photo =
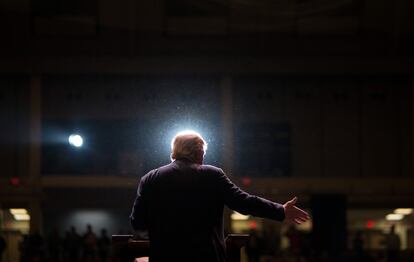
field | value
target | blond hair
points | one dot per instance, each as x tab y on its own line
187	144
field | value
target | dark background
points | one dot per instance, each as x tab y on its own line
309	97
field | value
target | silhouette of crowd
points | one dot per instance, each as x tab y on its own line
72	247
89	247
261	248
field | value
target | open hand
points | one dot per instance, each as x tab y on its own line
293	214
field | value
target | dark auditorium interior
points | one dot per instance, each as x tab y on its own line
306	98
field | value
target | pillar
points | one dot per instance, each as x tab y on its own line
227	151
35	147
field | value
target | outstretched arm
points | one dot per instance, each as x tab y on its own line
244	203
247	204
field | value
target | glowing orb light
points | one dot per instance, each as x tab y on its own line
75	140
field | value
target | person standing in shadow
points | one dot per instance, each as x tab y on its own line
358	244
181	205
104	245
54	245
3	246
90	245
392	244
72	245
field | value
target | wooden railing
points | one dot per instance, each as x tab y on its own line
126	249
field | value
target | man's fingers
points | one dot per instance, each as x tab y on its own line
302	212
301	219
297	213
300	216
297	221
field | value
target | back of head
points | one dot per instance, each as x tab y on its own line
188	145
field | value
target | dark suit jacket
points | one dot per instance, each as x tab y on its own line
181	206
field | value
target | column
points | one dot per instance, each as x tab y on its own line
227	124
227	151
412	128
35	124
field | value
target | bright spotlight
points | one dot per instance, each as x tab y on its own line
75	140
188	132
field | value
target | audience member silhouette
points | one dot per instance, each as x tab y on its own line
358	244
392	244
72	245
104	245
90	245
32	248
3	246
54	244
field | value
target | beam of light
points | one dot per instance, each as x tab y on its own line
394	217
403	211
75	140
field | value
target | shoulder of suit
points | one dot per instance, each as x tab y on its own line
157	170
212	169
149	174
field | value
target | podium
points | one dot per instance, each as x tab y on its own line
126	249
